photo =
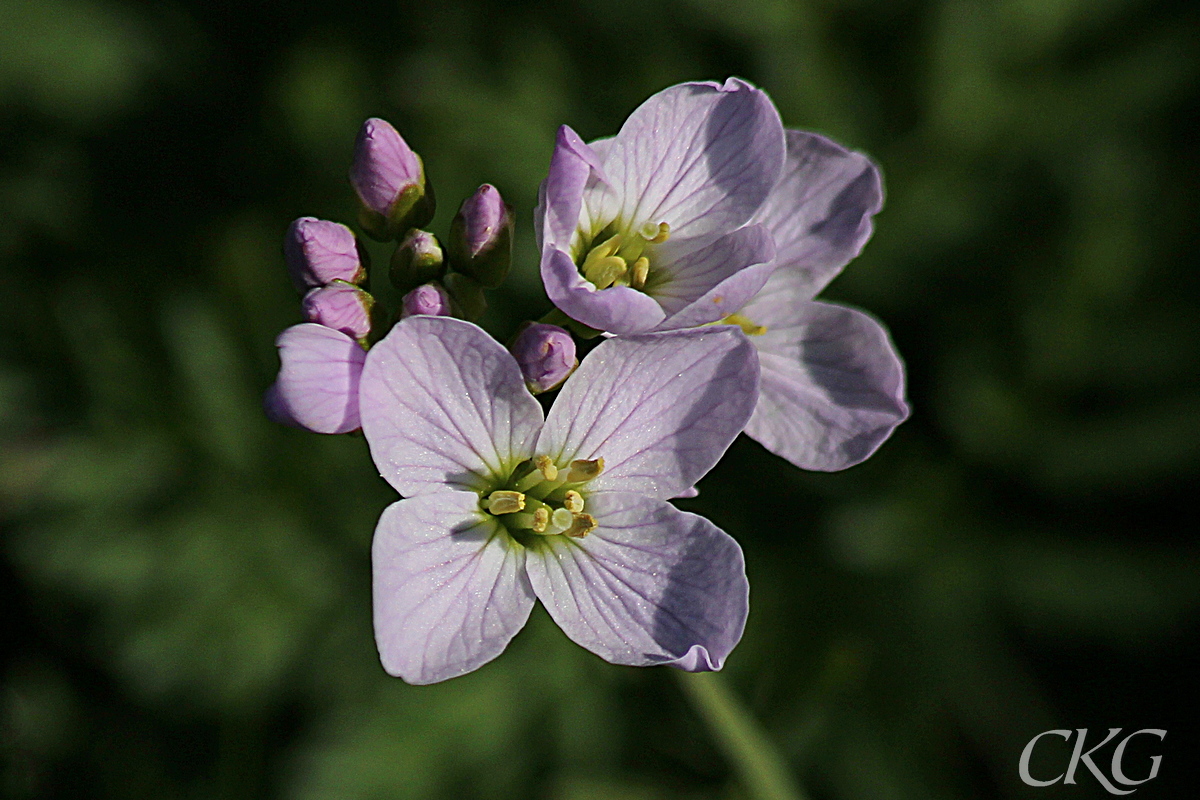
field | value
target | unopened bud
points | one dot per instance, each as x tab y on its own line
390	180
430	299
546	354
341	306
481	237
320	252
417	260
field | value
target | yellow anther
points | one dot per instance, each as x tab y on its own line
639	272
581	470
657	235
573	501
748	327
545	465
541	518
604	272
581	526
504	501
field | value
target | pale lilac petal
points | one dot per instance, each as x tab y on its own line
651	585
715	281
820	211
276	409
573	168
449	587
617	309
660	409
444	403
318	381
698	156
601	146
832	383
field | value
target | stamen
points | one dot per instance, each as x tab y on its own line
573	501
581	526
522	519
604	272
503	501
546	466
602	266
639	273
541	518
581	470
609	246
547	488
747	326
529	481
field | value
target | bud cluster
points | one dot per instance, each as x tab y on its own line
329	265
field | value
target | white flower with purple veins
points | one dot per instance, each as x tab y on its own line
504	507
832	383
648	230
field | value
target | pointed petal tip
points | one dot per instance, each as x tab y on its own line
697	659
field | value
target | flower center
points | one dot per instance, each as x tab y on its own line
541	499
620	258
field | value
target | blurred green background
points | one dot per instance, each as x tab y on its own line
188	586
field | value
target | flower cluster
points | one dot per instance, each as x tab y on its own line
695	240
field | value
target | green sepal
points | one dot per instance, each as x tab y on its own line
413	208
467	294
409	269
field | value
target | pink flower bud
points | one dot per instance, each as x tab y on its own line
546	355
341	306
320	252
430	299
481	237
417	260
390	180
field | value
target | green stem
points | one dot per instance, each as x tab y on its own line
739	736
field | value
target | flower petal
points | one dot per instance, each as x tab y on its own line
832	383
698	156
618	309
651	585
660	409
449	587
715	281
573	168
317	387
444	403
820	211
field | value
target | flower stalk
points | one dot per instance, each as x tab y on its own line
759	766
